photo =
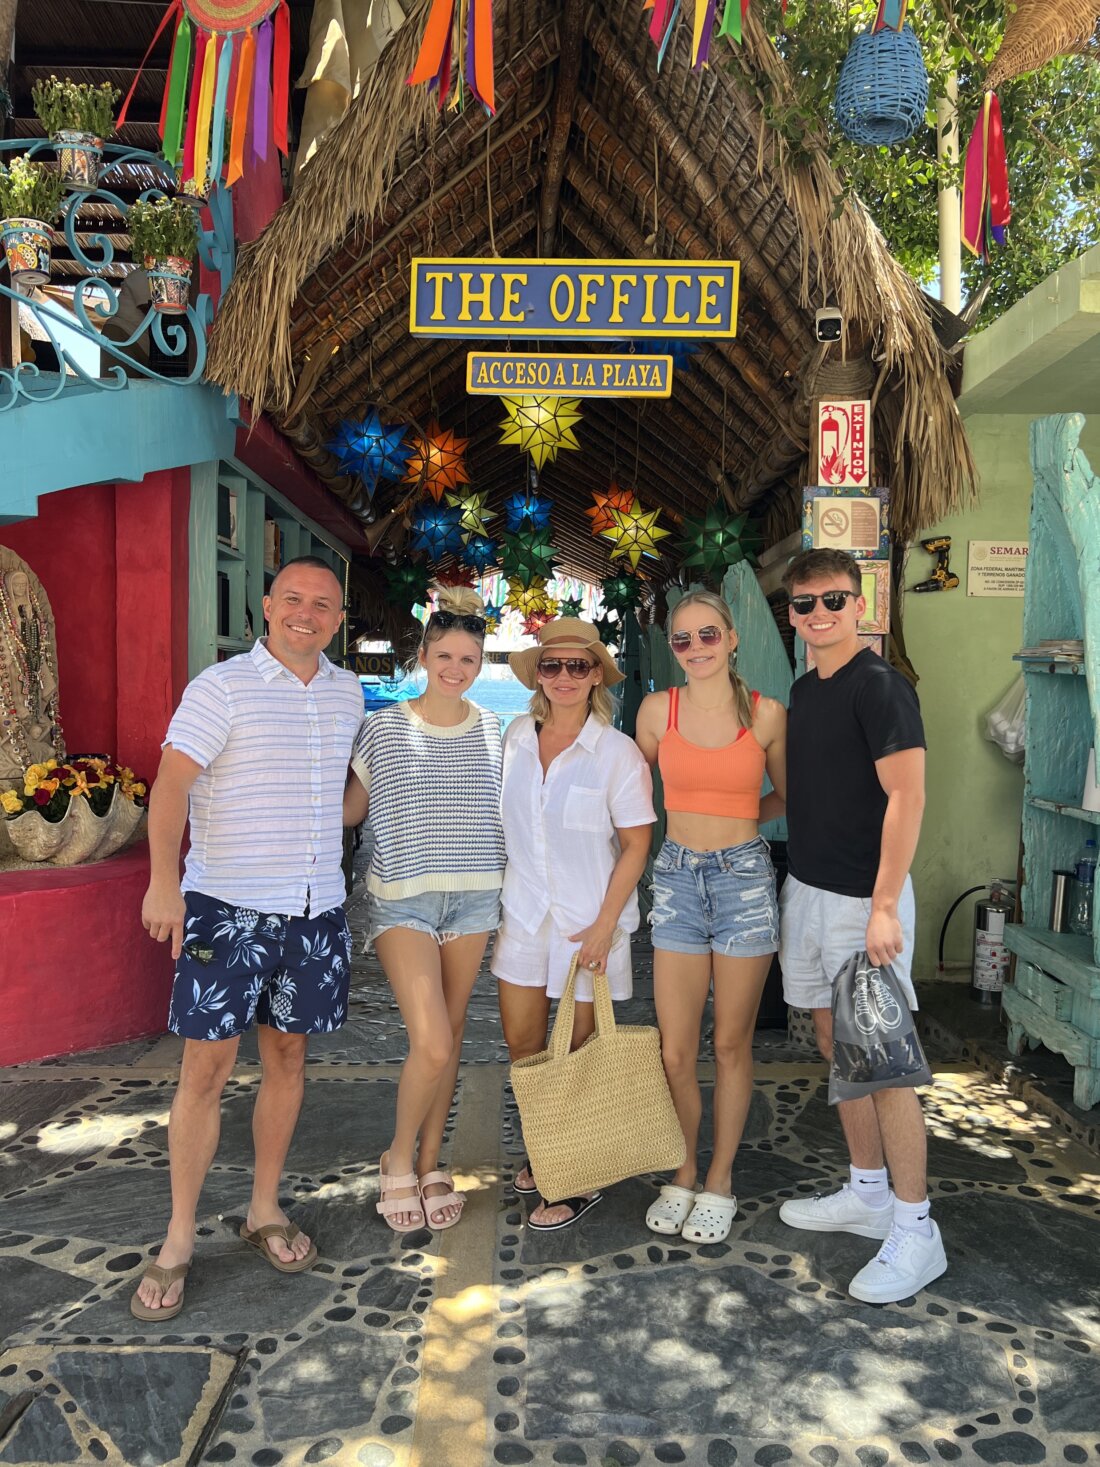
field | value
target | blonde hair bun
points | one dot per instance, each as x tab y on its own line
458	600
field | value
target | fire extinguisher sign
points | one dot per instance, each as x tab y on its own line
843	444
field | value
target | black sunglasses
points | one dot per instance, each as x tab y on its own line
803	604
708	637
448	619
578	667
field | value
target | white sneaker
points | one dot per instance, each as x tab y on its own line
839	1212
905	1264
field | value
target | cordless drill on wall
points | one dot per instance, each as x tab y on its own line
942	577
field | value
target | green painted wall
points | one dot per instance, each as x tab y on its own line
961	647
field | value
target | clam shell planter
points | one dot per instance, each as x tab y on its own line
80	837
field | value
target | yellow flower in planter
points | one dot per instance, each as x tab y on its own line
11	802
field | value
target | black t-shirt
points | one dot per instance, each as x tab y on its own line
837	727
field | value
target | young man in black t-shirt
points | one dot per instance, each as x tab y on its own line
855	797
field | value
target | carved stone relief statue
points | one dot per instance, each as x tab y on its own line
30	726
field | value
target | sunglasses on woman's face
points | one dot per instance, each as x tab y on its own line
708	637
448	619
578	667
802	605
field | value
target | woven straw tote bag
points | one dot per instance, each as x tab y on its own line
601	1113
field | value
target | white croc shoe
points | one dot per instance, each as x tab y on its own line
906	1263
839	1212
669	1213
711	1218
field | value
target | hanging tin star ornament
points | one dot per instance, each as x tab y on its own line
540	426
714	541
527	599
621	593
492	616
528	556
635	532
536	621
436	531
456	575
525	511
480	552
408	583
571	606
474	510
371	450
437	460
610	632
615	498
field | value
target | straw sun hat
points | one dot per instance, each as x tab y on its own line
562	637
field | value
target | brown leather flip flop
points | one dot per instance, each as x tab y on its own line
288	1232
164	1278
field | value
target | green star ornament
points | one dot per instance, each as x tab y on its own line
528	556
714	541
620	593
571	606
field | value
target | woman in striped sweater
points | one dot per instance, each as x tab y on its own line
429	769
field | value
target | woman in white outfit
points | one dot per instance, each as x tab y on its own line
577	805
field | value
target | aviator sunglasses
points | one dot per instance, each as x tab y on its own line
578	667
708	637
448	619
802	605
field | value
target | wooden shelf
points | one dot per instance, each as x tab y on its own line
1091	817
227	552
1057	952
235	644
1036	664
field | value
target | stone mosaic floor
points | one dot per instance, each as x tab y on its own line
598	1345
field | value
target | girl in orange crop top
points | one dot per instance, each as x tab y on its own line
714	914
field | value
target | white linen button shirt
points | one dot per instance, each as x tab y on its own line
560	832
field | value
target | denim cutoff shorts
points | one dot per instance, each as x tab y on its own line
715	901
443	915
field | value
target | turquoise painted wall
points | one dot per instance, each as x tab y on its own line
961	647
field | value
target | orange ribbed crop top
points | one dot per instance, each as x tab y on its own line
698	781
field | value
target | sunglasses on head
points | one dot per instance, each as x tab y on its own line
448	619
708	637
578	667
803	604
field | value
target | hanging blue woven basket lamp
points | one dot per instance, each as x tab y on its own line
882	95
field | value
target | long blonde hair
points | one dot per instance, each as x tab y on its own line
742	697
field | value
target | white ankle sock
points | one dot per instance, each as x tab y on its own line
915	1216
871	1187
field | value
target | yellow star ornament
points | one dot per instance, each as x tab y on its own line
540	425
475	512
529	600
635	532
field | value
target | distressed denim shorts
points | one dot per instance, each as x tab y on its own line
715	901
443	915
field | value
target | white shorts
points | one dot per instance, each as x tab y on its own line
819	931
541	960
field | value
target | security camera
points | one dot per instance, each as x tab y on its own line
828	324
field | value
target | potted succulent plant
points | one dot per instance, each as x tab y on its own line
30	201
164	234
77	116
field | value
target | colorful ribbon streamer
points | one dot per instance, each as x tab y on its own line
221	106
245	68
261	92
479	54
205	110
175	93
700	39
280	79
172	10
891	15
986	207
443	43
201	39
733	19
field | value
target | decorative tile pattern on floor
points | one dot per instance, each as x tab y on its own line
604	1343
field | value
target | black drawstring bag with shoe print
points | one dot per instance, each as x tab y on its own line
875	1045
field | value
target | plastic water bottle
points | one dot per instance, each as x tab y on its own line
1080	902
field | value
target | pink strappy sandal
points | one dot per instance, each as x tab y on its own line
446	1199
391	1207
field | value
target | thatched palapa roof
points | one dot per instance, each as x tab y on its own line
593	153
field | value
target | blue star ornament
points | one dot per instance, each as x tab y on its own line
436	530
525	511
479	552
372	450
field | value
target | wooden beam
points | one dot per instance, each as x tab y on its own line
557	146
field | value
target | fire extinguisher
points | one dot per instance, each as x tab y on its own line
990	959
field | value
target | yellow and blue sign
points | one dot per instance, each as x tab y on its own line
506	374
580	299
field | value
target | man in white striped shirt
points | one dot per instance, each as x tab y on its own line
257	752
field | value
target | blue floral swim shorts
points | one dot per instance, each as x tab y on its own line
239	965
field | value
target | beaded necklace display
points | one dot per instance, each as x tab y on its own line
31	646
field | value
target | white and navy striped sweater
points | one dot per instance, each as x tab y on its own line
434	802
